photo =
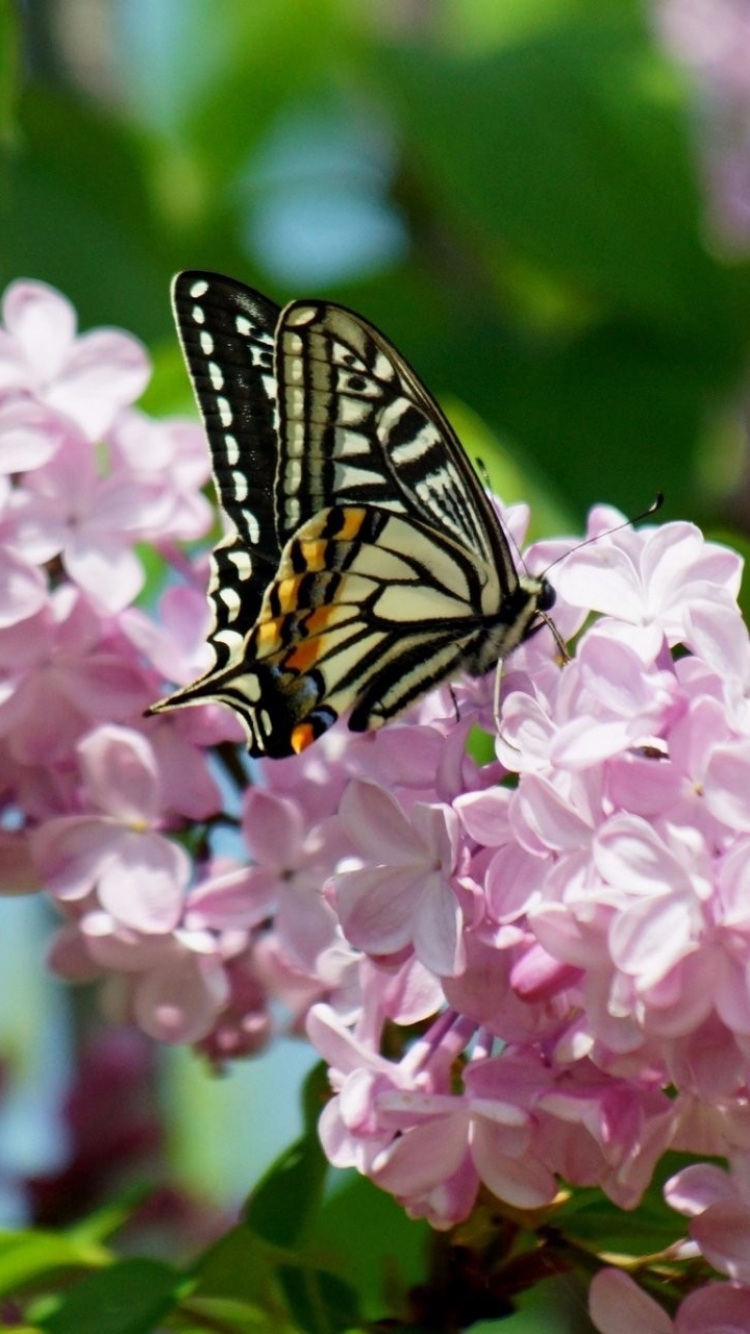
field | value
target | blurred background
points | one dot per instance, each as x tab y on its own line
545	204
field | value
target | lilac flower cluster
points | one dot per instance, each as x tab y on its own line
524	957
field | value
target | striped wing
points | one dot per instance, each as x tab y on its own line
227	333
367	611
358	426
367	564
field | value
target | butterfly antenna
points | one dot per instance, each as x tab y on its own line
655	505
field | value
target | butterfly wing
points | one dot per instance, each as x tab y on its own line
358	426
367	611
366	553
227	332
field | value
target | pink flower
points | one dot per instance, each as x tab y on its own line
139	875
59	678
168	458
548	933
618	1306
408	895
90	521
88	379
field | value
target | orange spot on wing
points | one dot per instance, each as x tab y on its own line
314	554
351	525
304	656
286	593
319	620
266	635
302	736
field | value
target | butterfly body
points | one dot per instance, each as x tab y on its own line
367	563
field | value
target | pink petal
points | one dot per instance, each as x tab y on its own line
715	1309
71	851
523	1181
484	815
653	934
423	1157
378	826
29	435
618	1306
630	855
602	578
120	771
43	323
437	937
180	1001
105	371
240	898
273	828
695	1187
540	811
144	886
723	1233
105	687
184	769
23	590
105	568
727	784
513	882
375	907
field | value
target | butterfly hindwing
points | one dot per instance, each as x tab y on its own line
367	611
367	564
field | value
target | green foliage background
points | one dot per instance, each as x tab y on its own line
557	273
553	278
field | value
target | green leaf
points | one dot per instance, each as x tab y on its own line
228	1314
10	72
558	1306
319	1301
288	1196
238	1267
365	1236
30	1256
102	1222
131	1297
584	161
77	214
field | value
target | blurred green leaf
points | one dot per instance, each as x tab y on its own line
77	214
30	1256
226	1314
285	1201
127	1298
320	1302
282	54
582	161
10	72
238	1267
363	1234
559	1306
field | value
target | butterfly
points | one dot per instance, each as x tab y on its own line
365	563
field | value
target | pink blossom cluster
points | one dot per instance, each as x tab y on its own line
524	957
711	38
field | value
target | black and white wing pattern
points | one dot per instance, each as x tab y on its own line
367	562
227	334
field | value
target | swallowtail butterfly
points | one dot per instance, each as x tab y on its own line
365	564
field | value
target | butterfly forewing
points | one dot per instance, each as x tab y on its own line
368	564
227	335
358	425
